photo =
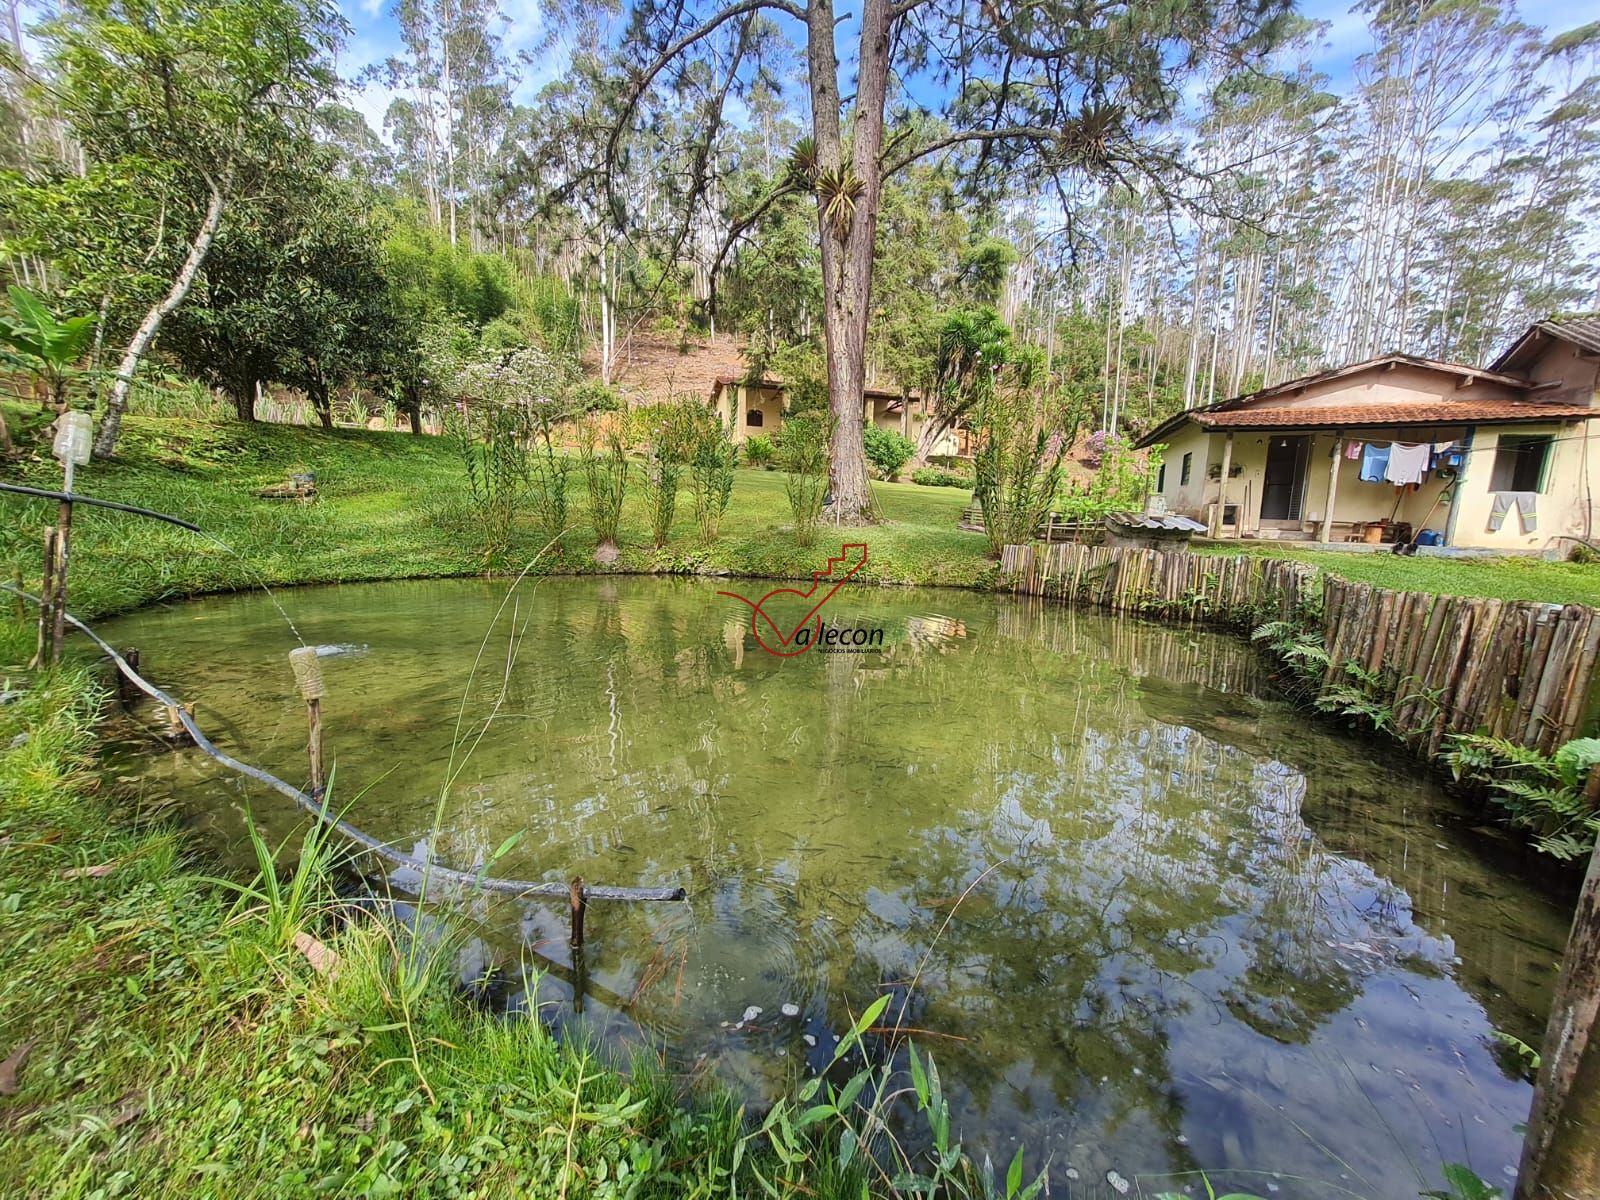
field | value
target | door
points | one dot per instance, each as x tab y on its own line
1285	482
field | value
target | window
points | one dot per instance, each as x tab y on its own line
753	418
1161	478
1188	466
1519	463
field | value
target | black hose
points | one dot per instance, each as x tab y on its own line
79	498
318	809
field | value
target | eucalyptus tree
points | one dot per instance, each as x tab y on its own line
212	90
1037	93
453	82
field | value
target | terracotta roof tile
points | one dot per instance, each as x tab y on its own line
1351	416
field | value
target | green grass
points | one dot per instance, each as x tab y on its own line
393	506
1507	578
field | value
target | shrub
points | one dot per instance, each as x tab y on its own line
592	396
606	474
804	458
760	451
886	450
672	432
934	477
712	459
1094	450
1018	469
490	440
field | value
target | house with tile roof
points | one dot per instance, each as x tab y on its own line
751	407
1400	448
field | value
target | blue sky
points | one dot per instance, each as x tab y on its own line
1347	38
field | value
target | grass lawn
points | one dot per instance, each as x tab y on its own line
393	506
1508	578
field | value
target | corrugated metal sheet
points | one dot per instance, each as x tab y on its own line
1171	523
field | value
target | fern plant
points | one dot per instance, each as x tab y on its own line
1544	794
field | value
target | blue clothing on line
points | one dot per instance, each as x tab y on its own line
1374	462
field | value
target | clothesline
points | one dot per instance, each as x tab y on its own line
1403	464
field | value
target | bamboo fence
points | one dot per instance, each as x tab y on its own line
1520	670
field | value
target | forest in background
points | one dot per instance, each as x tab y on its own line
1435	205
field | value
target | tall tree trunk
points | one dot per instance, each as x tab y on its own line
847	246
117	403
933	428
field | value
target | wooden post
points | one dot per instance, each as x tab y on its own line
579	904
1222	489
1326	533
58	631
1561	1151
47	596
308	678
127	694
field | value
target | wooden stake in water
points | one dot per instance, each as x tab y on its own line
1561	1152
308	678
579	904
580	966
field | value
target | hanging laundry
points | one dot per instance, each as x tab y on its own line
1524	502
1353	450
1408	462
1374	461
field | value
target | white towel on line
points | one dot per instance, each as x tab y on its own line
1407	463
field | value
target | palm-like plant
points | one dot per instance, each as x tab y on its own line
32	338
973	344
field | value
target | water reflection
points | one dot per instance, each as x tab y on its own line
1157	920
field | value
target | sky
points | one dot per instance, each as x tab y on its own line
375	39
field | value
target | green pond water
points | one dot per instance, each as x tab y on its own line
1202	931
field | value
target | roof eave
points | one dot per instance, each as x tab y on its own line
1422	423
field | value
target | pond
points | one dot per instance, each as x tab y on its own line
1159	919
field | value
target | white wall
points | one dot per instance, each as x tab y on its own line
1188	500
